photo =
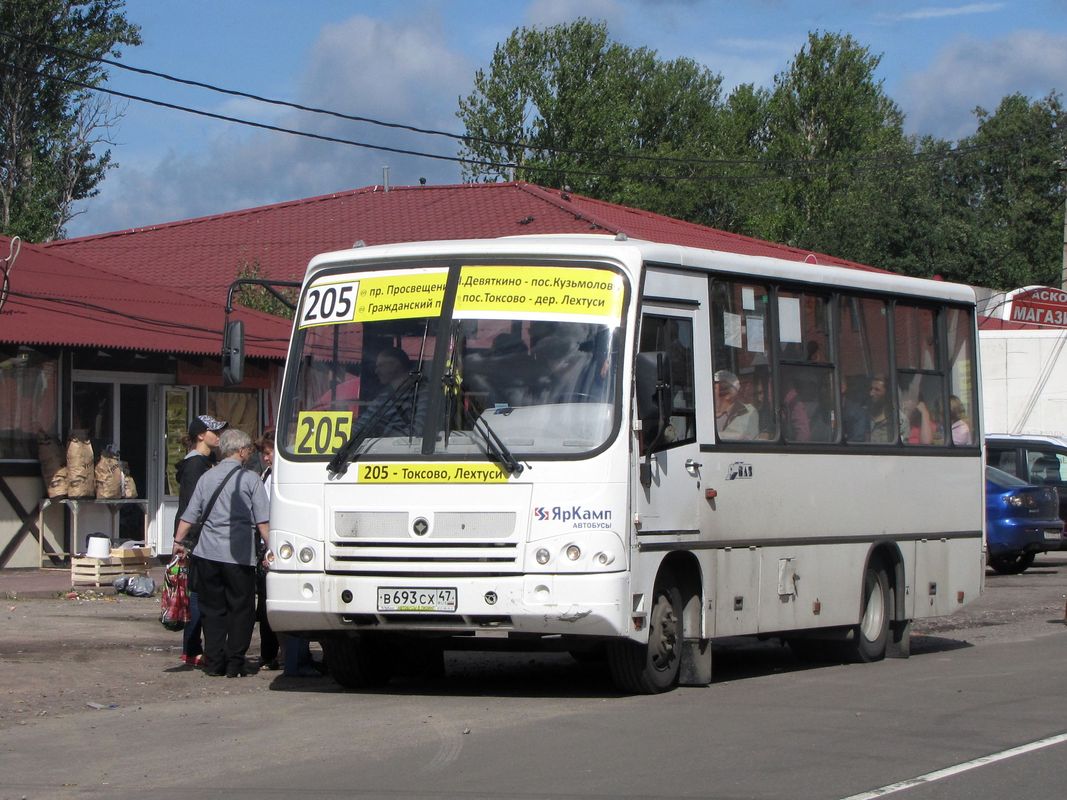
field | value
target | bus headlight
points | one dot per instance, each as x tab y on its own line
573	552
306	554
285	552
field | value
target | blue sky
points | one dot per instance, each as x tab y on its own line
410	61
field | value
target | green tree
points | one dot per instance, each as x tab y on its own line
51	127
260	298
1009	196
568	107
831	130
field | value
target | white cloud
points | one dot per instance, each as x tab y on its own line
393	72
971	72
940	12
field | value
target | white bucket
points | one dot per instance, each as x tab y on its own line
98	546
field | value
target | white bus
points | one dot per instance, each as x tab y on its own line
621	449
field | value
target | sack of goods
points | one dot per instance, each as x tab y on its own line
108	476
81	472
53	464
129	487
57	484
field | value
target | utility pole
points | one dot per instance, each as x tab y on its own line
1063	272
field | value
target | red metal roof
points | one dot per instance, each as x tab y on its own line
55	300
280	239
162	288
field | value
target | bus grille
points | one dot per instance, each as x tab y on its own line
452	543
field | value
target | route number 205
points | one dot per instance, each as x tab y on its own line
322	432
330	304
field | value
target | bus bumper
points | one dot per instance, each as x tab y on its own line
583	605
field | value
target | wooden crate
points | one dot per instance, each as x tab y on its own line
85	571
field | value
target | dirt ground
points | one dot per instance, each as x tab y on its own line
89	655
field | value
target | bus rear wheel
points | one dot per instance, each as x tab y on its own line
870	637
653	667
357	663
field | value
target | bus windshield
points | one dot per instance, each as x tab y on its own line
490	375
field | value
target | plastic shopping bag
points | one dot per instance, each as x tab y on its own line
174	602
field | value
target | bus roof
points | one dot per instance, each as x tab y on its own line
654	254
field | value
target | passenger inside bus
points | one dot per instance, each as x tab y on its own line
880	411
393	413
960	428
503	374
805	415
734	419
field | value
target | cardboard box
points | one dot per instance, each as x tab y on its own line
131	554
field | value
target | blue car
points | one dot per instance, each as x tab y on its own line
1022	520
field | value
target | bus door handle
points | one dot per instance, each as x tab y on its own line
692	467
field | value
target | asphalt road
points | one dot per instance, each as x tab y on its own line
93	704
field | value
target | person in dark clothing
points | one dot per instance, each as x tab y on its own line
203	443
224	557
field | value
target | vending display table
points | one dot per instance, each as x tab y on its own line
75	506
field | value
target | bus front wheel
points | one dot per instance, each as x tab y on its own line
653	667
356	663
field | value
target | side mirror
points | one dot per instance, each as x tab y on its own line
233	353
648	374
654	402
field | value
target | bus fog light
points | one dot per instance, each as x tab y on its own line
306	554
603	559
308	591
285	552
574	552
542	556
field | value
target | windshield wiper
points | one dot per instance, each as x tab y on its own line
496	448
494	445
339	463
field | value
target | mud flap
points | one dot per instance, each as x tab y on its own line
695	669
898	645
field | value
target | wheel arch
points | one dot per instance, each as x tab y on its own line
688	574
887	554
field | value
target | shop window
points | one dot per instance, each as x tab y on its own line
29	400
238	407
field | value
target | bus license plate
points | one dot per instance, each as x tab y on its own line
398	598
1054	535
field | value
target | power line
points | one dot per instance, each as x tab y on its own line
537	168
136	322
857	161
368	145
